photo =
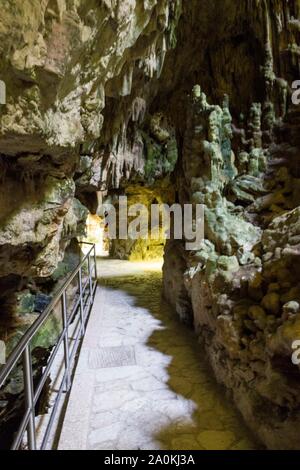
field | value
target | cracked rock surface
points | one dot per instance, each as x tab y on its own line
186	101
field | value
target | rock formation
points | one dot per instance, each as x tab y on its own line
163	100
241	160
77	75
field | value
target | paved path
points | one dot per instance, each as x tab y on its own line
141	381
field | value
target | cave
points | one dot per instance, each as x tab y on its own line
150	225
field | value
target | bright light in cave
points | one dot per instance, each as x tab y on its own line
95	234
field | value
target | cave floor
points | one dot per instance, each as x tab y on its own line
142	381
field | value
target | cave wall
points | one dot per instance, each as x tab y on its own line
126	96
62	62
77	74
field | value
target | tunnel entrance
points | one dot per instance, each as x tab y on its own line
95	233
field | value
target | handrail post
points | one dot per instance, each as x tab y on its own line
81	301
29	397
66	340
90	279
95	261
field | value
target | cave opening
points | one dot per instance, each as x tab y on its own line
182	104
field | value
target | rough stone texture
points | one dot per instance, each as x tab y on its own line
154	393
241	289
75	73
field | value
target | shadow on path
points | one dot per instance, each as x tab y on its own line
216	425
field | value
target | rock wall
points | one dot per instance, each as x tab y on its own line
139	200
76	74
240	158
104	95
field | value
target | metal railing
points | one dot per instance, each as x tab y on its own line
75	319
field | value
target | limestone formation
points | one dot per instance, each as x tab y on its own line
164	101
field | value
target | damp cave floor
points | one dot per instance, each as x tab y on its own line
142	381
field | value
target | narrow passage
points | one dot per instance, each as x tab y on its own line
142	381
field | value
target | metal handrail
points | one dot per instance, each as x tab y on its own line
23	350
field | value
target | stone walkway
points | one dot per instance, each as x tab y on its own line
142	381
